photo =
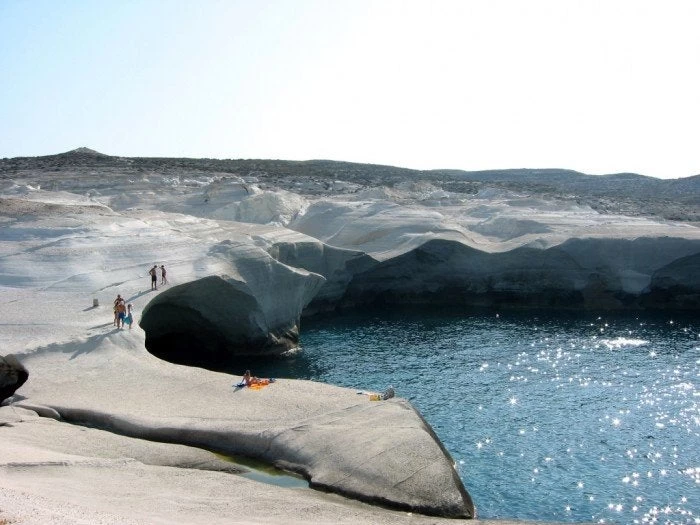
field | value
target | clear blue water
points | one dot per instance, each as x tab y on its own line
549	417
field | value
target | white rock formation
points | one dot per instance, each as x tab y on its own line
247	254
277	208
325	433
252	308
62	252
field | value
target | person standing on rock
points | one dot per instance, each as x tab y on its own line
154	277
163	279
121	314
129	319
116	315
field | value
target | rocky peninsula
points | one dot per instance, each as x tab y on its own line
105	431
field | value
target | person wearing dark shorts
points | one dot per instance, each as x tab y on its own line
154	277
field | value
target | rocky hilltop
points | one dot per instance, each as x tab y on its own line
620	193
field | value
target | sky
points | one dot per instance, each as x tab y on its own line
595	86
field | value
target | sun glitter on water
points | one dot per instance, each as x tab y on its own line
597	428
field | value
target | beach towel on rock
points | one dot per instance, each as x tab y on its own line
257	385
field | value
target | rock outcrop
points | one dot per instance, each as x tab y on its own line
676	285
381	452
12	376
336	265
255	311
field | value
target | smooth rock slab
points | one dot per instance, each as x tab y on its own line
379	452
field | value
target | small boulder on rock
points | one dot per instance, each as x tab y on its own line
12	376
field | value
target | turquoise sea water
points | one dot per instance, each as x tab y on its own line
581	417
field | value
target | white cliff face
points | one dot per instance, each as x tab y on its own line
501	249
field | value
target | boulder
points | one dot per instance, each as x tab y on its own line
12	376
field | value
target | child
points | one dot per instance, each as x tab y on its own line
129	319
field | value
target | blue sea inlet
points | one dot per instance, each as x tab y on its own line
582	417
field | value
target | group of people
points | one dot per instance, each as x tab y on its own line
122	313
153	272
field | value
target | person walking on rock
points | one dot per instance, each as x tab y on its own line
154	277
163	279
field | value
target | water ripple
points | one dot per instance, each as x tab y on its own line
560	418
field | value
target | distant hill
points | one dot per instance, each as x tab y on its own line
625	193
618	184
85	151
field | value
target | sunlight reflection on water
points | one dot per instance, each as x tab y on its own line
589	418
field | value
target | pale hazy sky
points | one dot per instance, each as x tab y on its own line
596	86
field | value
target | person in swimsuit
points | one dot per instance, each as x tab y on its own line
249	380
121	314
116	316
129	319
154	278
163	279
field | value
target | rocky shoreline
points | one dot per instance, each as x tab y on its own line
101	405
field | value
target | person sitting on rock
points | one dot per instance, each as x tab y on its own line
388	393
